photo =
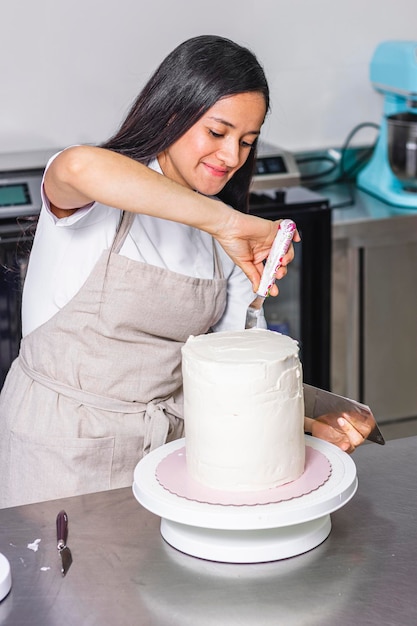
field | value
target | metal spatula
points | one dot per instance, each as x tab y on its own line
279	248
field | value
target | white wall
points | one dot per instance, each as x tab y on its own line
69	70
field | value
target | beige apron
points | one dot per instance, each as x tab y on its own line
99	385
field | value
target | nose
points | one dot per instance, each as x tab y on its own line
229	153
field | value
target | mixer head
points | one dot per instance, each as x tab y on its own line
394	69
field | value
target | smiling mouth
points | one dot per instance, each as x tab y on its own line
217	171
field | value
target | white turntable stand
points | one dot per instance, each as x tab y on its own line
5	577
246	533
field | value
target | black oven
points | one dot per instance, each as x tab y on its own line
19	206
15	241
302	308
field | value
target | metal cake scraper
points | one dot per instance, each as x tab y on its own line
318	402
279	248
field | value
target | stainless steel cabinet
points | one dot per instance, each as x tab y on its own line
374	307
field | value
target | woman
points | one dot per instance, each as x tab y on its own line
127	262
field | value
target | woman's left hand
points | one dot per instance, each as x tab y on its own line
346	430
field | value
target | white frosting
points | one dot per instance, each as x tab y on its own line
243	410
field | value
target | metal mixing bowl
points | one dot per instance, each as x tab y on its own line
402	148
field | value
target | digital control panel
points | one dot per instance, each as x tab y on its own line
275	169
20	194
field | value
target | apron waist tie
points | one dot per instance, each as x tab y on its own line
157	424
103	403
158	416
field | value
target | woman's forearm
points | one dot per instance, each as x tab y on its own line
83	174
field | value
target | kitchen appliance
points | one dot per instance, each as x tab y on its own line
20	203
20	194
244	533
391	173
302	307
274	168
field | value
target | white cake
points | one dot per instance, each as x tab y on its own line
243	410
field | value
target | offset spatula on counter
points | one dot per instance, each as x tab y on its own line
279	248
62	536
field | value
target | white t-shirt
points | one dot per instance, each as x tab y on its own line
65	251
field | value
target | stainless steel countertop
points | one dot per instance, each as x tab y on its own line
124	573
368	220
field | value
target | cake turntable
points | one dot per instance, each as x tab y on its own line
247	533
5	577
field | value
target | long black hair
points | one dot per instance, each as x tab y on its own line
191	79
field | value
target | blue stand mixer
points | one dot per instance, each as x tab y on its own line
391	174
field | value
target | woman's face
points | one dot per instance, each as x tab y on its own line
210	152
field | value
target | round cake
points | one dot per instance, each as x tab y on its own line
243	410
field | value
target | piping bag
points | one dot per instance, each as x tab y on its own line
280	246
317	402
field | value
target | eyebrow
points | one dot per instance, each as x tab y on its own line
230	125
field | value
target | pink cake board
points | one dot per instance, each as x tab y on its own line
171	473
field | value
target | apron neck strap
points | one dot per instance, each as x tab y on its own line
126	220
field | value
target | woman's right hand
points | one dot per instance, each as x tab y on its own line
247	239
